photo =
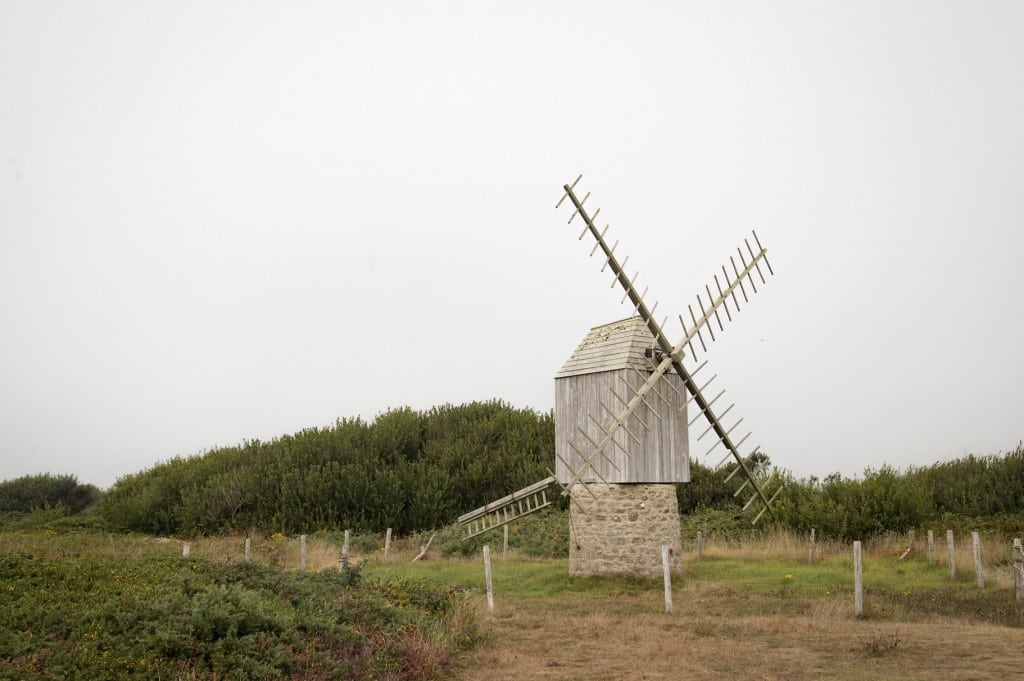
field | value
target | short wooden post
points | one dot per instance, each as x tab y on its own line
858	581
248	549
344	549
504	545
931	548
911	538
952	554
810	552
666	568
979	572
387	545
487	577
302	552
1018	569
186	549
700	544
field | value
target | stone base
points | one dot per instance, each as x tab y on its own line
622	532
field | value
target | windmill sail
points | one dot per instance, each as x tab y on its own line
672	355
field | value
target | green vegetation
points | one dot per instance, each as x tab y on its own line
968	493
90	605
32	492
77	602
407	470
416	471
980	492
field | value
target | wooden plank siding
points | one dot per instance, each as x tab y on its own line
609	357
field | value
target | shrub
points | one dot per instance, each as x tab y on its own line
97	615
34	492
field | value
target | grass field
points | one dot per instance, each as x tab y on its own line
755	610
746	609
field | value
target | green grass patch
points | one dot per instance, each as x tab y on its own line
519	579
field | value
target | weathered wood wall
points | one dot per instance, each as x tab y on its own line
660	456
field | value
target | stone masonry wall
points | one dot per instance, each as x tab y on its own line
622	532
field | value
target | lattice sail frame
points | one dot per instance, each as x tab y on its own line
668	356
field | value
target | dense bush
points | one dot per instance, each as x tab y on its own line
33	492
886	500
978	486
707	489
882	501
407	470
71	615
416	471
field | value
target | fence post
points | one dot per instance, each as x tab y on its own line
952	554
700	544
248	549
302	552
858	581
487	577
504	545
666	568
186	549
976	549
1018	569
810	552
931	548
387	544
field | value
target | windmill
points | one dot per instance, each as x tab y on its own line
621	421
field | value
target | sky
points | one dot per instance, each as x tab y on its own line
231	221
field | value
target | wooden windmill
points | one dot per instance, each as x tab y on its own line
621	403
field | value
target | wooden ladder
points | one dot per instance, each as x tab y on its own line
508	508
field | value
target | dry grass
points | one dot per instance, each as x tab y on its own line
284	552
570	639
752	627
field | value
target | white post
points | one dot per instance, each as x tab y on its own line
810	553
344	549
248	549
952	554
387	545
186	549
700	545
666	568
302	552
931	548
1018	569
504	546
487	577
979	572
858	581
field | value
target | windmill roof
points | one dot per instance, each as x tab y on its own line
608	347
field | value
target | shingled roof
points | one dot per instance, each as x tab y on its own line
609	347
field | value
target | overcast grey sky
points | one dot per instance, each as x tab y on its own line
226	221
